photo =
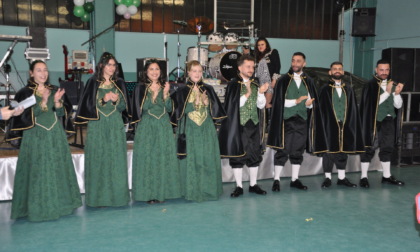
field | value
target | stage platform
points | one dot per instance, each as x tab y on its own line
311	165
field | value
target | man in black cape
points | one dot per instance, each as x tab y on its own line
381	114
296	121
343	125
241	134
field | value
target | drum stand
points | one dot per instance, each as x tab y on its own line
178	68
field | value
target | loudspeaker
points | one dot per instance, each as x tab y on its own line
142	62
71	90
364	22
39	39
402	66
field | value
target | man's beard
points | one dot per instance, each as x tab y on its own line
337	77
298	69
383	76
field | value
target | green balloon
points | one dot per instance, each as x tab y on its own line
127	2
85	17
118	2
78	11
136	3
88	7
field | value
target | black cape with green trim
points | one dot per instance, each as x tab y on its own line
26	120
368	113
87	104
352	133
316	141
229	133
181	95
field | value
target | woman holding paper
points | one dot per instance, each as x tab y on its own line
45	186
104	107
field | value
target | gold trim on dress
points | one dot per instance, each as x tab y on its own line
52	126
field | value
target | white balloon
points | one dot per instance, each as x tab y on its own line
79	2
121	9
132	9
127	15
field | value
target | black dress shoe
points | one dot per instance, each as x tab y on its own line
326	183
237	192
276	186
392	180
298	184
257	189
364	182
346	182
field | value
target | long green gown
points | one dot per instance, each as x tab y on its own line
155	165
201	171
45	186
106	174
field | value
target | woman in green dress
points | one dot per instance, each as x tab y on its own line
103	106
45	186
197	110
155	165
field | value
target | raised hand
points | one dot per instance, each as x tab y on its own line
389	87
114	96
205	98
399	88
59	94
45	96
263	88
166	90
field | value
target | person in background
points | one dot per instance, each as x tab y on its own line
268	70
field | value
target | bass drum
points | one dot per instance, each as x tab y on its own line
192	54
224	66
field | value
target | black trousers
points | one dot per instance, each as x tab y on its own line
295	134
329	159
385	141
250	136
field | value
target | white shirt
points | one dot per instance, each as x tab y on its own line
260	99
337	86
397	98
288	103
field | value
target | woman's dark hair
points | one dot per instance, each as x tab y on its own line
103	61
259	55
32	67
146	67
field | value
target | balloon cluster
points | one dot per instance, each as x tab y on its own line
127	8
82	9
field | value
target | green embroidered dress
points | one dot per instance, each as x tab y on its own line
106	175
155	165
201	172
45	186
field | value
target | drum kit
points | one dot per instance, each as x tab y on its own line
223	63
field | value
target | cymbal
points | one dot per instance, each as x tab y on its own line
180	22
243	23
243	39
200	24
